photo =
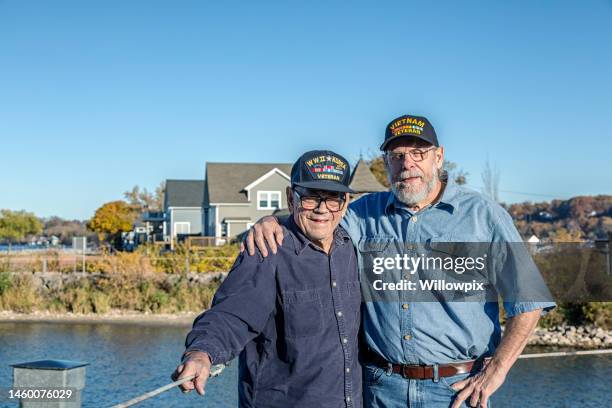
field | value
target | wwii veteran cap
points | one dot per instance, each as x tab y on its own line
322	170
410	126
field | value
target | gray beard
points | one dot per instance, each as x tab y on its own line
410	197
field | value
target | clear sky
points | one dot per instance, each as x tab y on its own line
97	96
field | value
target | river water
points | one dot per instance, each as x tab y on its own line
128	360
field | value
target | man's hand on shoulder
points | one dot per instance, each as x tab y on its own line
194	363
265	231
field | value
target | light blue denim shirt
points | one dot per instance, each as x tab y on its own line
433	332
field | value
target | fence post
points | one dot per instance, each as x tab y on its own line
609	253
187	264
44	265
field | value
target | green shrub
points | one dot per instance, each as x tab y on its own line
6	282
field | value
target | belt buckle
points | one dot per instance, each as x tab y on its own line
405	371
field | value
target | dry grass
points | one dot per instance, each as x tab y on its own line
114	291
147	259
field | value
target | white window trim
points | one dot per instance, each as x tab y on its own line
182	223
269	194
275	170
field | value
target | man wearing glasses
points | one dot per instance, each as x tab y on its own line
429	353
294	316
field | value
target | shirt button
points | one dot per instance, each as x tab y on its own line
414	218
348	399
334	284
339	314
348	370
407	337
345	340
405	306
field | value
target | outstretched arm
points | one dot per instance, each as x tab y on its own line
241	308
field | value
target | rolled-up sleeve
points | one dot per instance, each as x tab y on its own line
242	306
518	279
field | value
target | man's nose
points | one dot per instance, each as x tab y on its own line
408	163
322	207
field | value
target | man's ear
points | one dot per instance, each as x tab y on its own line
289	193
440	157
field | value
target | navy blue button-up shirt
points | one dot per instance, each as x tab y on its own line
294	318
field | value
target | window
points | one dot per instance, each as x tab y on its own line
181	228
268	200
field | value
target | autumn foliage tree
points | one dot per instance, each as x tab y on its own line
111	220
15	226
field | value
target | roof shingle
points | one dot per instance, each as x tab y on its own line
226	181
184	193
363	180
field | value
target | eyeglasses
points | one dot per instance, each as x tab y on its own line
309	201
416	155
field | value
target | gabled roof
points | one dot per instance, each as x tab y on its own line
227	181
184	193
363	180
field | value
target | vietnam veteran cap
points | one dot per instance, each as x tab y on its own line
322	170
410	126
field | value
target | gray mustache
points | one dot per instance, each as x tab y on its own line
409	173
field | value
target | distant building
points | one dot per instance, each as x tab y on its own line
533	240
183	200
151	224
236	195
363	180
544	216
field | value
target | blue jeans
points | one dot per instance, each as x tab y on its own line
388	390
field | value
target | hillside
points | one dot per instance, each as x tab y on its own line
584	217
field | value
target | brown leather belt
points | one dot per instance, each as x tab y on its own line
425	372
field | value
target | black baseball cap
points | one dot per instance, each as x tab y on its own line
322	170
410	126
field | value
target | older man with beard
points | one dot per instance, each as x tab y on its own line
440	353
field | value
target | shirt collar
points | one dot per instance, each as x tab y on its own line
449	200
301	241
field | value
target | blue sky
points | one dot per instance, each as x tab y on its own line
98	96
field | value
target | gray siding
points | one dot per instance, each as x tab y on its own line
237	228
275	182
193	216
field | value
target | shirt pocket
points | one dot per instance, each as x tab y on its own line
373	251
464	265
303	311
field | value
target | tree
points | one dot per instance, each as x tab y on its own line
65	230
160	193
111	220
145	200
15	226
454	172
490	180
378	168
563	235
